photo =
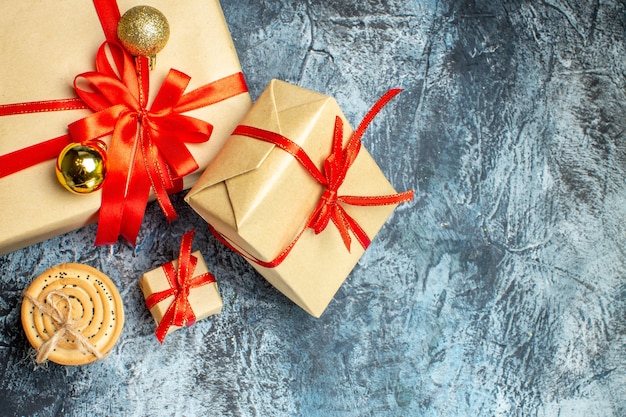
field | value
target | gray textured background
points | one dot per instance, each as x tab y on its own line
499	291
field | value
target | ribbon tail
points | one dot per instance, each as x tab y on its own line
340	219
185	267
175	153
121	156
183	315
159	175
166	322
137	195
109	15
214	92
378	106
353	225
359	233
131	188
383	200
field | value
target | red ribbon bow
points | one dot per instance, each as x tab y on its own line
147	149
181	280
336	166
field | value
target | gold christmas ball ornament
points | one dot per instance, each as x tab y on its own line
143	31
81	168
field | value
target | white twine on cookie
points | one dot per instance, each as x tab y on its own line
64	323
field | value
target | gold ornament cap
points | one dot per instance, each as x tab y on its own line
143	31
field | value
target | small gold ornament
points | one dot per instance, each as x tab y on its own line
81	168
143	31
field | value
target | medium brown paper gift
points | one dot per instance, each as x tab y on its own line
43	46
258	197
205	300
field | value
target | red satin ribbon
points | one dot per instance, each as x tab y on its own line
147	149
336	166
41	106
32	155
109	14
181	281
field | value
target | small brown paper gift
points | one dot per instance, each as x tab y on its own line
259	199
180	292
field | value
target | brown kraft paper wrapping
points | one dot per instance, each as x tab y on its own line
259	197
44	45
205	300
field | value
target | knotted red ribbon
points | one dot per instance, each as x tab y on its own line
147	150
336	166
181	281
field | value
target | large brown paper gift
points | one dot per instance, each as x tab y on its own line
43	46
258	198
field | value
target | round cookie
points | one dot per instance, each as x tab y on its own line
94	306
